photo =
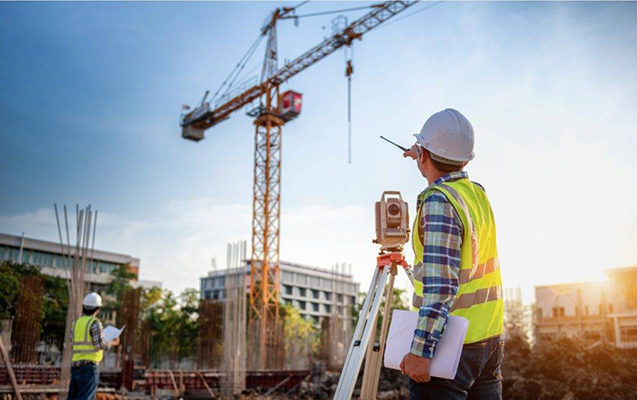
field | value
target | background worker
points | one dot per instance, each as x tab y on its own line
456	266
88	350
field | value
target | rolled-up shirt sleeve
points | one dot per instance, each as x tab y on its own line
97	335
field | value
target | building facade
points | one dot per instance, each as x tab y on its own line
594	311
49	258
316	292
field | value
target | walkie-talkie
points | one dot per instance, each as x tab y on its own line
397	145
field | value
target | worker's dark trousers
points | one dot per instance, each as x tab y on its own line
478	376
84	379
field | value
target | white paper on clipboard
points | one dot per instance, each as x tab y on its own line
445	362
111	333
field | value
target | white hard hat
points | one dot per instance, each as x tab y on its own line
448	136
92	300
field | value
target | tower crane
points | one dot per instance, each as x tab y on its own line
273	111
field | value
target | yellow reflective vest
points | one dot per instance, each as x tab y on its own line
83	347
479	297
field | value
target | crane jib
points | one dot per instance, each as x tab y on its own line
202	117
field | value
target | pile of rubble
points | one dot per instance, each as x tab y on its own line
391	386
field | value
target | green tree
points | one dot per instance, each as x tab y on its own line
399	301
11	274
54	305
9	285
120	282
188	326
122	277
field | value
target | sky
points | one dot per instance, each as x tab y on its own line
90	96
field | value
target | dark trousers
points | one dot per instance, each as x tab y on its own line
84	379
478	376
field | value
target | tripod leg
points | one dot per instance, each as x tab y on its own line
376	350
362	336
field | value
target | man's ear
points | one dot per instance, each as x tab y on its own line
424	154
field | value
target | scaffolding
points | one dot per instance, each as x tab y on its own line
234	320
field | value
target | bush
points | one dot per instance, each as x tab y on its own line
568	369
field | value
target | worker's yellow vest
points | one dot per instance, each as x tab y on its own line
83	348
479	297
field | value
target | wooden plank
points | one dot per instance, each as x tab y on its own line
7	363
212	395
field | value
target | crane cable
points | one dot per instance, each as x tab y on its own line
254	48
428	6
316	14
349	70
244	60
240	65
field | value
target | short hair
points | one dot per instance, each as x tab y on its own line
89	310
443	167
446	167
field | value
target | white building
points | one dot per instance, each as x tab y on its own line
316	292
49	258
595	311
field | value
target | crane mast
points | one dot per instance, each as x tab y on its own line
265	328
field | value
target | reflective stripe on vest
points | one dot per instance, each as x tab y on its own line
479	297
83	347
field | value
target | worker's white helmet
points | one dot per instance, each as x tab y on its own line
448	136
92	300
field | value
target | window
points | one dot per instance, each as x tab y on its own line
301	279
39	258
341	310
628	333
106	267
314	281
339	298
315	319
558	312
353	299
61	262
326	284
287	276
287	289
315	293
328	308
302	292
315	307
328	296
302	305
288	302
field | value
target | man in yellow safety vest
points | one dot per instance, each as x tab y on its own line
456	267
88	350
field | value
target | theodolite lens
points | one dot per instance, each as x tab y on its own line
393	209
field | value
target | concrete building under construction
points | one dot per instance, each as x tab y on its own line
314	291
595	311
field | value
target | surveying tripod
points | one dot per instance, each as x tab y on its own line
364	345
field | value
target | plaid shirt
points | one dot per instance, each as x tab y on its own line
97	337
441	237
